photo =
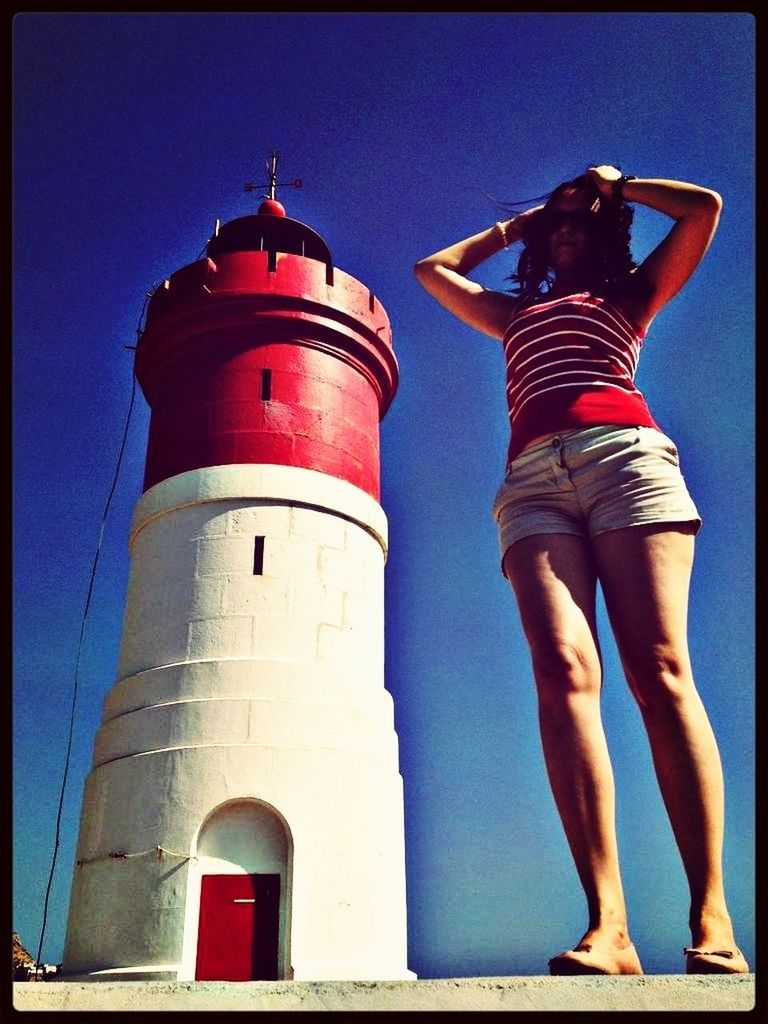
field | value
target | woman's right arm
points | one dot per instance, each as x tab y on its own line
443	275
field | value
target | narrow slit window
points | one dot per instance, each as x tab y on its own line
258	556
266	385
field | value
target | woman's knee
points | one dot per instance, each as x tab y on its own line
659	677
565	670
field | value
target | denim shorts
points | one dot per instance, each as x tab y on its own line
591	480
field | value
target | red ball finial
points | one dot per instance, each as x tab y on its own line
271	208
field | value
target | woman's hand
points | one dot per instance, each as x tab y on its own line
603	178
512	230
519	222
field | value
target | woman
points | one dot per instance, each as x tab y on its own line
593	491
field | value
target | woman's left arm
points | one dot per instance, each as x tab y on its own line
695	211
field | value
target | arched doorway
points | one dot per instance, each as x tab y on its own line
240	887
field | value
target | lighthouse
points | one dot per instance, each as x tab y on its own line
243	816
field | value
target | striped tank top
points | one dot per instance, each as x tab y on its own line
571	363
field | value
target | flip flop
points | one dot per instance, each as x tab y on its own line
588	959
715	961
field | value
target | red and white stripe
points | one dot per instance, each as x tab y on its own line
580	341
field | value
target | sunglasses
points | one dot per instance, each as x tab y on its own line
581	220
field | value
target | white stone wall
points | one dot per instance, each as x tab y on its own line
235	686
193	595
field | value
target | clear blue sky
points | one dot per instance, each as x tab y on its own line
133	133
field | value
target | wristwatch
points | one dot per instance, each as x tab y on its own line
617	186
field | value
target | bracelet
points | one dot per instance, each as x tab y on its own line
503	232
617	186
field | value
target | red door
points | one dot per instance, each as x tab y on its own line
238	933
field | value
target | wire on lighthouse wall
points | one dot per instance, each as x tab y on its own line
156	851
76	677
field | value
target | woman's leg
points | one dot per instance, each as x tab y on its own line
554	580
645	574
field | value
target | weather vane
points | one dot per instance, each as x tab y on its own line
273	184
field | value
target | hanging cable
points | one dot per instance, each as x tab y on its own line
75	686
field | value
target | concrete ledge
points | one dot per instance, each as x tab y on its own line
650	992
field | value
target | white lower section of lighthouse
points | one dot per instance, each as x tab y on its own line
249	733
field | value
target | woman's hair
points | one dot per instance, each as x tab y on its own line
609	272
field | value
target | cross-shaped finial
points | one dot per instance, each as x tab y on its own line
273	184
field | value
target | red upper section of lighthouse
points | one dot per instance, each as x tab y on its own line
264	352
